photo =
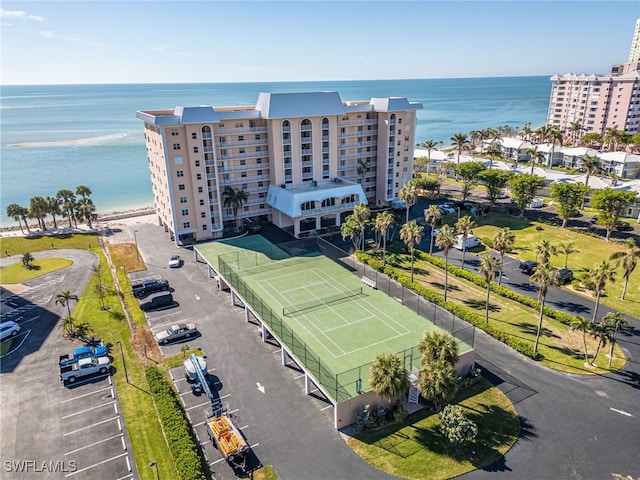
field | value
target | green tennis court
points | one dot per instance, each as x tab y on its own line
341	321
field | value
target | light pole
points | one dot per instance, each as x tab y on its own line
135	240
124	363
155	464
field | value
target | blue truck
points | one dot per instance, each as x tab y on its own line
84	352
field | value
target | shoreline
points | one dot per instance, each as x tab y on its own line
63	223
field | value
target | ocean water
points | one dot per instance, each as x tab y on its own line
62	136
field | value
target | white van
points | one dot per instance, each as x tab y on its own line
472	241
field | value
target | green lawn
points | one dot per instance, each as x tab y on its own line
20	245
17	273
417	450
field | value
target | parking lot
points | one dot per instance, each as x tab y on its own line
50	429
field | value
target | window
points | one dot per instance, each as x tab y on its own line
197	163
199	176
183	199
241	150
184	211
241	138
239	125
195	149
259	172
186	224
258	160
243	162
174	132
181	186
203	215
204	228
176	146
179	173
201	202
258	149
194	136
257	137
199	189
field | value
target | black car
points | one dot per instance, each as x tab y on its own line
528	267
623	226
564	275
150	285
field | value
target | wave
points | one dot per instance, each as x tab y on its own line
114	138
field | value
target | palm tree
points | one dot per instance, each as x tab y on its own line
488	266
433	215
383	222
68	204
601	331
428	146
566	249
64	298
388	376
526	131
494	151
544	276
27	259
617	321
575	128
628	260
445	240
361	215
465	227
600	275
83	191
584	325
436	346
53	208
536	157
234	198
437	382
503	240
15	211
85	209
553	136
611	136
362	169
349	229
590	165
409	193
460	141
411	235
544	251
38	210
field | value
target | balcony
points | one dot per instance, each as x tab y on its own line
240	130
243	143
206	135
330	208
306	128
359	121
234	156
243	168
240	180
361	133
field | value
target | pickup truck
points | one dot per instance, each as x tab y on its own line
144	287
84	367
84	352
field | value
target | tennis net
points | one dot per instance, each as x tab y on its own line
291	310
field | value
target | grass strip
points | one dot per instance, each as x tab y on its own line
17	273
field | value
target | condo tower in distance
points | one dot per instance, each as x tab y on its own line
299	160
599	102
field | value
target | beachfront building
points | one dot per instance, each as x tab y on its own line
634	53
597	102
299	160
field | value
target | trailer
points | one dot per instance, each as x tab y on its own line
226	436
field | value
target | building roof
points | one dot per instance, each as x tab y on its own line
203	114
579	152
311	104
508	142
436	155
289	200
392	104
620	157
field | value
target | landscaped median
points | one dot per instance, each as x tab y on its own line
513	317
416	449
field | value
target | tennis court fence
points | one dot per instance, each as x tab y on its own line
433	313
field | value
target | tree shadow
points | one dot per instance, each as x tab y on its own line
573	307
450	288
480	305
532	329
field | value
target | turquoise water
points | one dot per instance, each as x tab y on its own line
62	136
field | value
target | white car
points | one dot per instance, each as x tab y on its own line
9	329
175	261
447	209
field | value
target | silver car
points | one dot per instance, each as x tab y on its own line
175	332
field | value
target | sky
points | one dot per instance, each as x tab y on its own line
79	42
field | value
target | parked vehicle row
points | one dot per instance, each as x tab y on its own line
176	332
142	288
82	368
9	329
84	352
563	275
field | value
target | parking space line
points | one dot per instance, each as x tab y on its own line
326	408
126	476
87	394
216	461
115	407
93	425
30	320
198	424
197	406
95	443
124	446
77	384
88	410
169	315
128	463
95	465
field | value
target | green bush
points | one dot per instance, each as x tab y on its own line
176	427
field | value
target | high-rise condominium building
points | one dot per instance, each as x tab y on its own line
598	102
634	54
300	160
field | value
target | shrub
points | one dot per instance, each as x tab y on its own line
176	427
456	427
575	283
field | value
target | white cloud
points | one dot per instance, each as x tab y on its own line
20	15
85	38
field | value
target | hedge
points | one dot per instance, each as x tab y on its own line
177	430
461	312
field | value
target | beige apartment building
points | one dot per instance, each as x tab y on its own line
303	161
